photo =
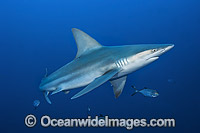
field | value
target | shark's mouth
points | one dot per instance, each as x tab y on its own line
152	58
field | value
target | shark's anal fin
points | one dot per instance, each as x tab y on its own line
118	85
84	42
97	82
46	93
66	92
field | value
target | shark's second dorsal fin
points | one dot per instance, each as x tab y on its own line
84	42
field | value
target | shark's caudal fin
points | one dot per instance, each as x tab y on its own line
118	85
97	82
46	93
56	91
84	42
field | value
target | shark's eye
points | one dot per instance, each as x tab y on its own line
154	50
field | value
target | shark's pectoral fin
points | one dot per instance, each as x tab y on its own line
46	93
97	82
118	85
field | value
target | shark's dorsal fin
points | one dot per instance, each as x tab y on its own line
84	42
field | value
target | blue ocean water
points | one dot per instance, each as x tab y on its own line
35	35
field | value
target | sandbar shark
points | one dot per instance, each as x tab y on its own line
95	64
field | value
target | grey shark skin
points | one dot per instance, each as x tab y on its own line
95	64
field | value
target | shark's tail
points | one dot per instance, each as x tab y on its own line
46	93
46	73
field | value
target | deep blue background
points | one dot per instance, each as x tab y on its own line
36	34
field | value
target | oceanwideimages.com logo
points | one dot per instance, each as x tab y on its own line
47	121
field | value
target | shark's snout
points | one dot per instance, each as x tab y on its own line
165	49
169	47
161	49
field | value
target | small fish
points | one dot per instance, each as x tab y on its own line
146	92
36	103
88	109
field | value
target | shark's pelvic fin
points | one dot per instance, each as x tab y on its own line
46	93
118	85
84	42
97	82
